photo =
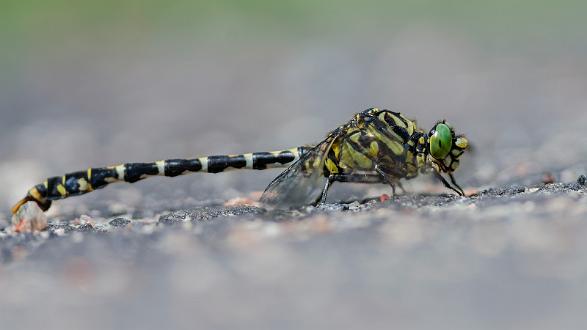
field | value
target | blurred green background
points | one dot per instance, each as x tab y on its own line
99	82
56	26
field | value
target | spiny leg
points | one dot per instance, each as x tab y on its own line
452	179
399	184
351	178
446	184
324	193
392	181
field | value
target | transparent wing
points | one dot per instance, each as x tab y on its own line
302	182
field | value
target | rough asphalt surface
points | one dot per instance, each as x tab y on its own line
337	265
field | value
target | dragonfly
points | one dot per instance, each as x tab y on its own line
376	146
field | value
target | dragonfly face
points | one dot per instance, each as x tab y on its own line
444	150
445	147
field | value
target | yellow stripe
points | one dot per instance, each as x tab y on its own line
160	167
36	195
373	149
355	159
204	162
61	187
248	160
62	191
331	166
89	175
411	124
83	184
398	121
421	160
409	156
355	138
120	171
395	146
336	149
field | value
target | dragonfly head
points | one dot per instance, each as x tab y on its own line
445	147
444	150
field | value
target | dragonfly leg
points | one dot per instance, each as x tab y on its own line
391	180
458	189
399	184
351	178
358	178
324	191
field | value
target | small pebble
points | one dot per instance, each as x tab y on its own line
59	231
87	227
119	222
471	192
240	201
29	218
548	178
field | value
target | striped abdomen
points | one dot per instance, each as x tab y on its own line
82	182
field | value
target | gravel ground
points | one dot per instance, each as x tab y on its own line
509	257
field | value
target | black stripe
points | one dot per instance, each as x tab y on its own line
52	184
382	126
365	141
384	151
72	184
42	190
134	171
44	203
357	147
333	159
262	159
217	164
398	115
99	176
420	147
238	161
285	157
175	167
402	132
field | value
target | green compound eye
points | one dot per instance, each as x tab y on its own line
441	141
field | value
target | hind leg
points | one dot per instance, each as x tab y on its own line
391	180
353	178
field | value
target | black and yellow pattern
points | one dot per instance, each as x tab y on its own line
375	146
82	182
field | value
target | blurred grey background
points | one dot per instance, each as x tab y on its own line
93	83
